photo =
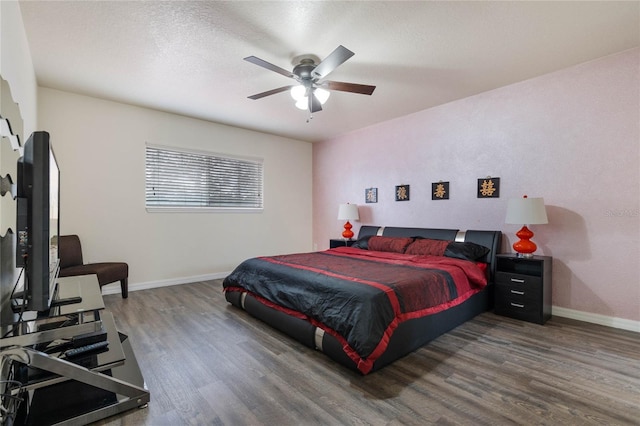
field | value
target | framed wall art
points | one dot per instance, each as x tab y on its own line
371	195
402	193
489	187
440	190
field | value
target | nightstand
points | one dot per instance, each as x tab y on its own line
523	287
341	243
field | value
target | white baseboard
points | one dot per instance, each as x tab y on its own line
621	323
114	288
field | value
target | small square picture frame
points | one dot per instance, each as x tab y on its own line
371	195
440	190
402	192
489	187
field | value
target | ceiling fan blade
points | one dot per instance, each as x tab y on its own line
270	92
314	104
363	89
264	64
333	61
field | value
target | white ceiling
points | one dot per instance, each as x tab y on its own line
186	57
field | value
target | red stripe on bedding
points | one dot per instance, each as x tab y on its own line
393	298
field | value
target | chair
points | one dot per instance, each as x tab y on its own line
71	264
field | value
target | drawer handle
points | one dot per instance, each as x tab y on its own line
517	280
517	305
518	292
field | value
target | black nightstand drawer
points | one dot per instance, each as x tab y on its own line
520	281
520	292
527	310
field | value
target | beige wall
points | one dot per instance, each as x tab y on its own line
100	147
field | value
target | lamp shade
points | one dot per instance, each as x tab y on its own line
298	92
321	94
526	211
348	212
302	103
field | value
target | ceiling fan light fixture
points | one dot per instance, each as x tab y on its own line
321	94
302	103
298	92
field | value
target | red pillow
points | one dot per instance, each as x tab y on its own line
392	244
426	246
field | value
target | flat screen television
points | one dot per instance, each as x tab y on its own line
38	227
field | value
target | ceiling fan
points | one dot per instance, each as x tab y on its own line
310	92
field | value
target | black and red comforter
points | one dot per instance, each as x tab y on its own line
358	296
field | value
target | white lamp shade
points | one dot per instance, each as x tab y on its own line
321	94
526	211
348	212
298	92
302	103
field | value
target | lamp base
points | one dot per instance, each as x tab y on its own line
524	248
524	255
347	234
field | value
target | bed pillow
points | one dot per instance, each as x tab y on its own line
362	243
427	246
465	250
392	244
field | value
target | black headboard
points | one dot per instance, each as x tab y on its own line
490	239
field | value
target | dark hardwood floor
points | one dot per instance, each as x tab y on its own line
208	363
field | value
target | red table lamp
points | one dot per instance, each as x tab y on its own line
348	212
526	211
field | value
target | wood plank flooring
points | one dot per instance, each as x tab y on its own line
206	362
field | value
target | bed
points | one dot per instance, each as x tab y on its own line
364	306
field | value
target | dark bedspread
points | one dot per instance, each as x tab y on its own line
358	296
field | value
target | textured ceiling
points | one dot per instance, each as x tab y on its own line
185	57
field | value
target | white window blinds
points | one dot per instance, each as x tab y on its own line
189	179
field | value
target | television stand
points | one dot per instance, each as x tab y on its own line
78	390
54	303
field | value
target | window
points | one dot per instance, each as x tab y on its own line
179	179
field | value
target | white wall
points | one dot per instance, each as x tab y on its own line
100	147
16	66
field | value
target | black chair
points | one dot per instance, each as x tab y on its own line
71	264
